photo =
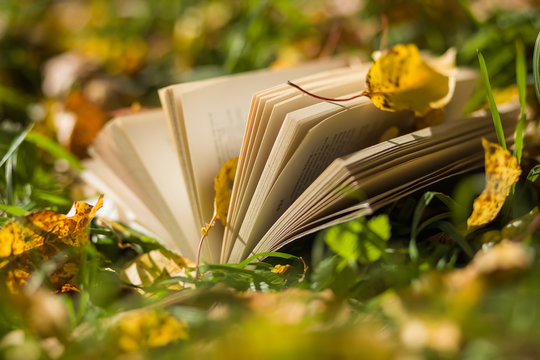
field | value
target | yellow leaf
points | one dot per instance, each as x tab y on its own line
502	170
44	233
223	186
402	80
280	269
146	328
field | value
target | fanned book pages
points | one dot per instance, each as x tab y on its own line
304	164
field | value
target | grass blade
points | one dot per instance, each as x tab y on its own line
536	65
492	105
521	78
15	144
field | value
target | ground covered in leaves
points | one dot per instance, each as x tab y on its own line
412	282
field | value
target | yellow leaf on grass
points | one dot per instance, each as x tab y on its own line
223	183
502	170
146	328
39	236
402	80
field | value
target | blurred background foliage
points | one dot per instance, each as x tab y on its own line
68	66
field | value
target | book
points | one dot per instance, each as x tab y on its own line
304	164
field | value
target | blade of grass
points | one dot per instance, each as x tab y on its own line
54	149
521	76
15	144
492	105
536	65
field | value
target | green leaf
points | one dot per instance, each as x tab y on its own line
380	225
536	66
359	241
13	210
521	75
250	259
534	173
417	216
492	105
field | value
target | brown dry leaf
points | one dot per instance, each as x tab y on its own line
40	236
223	183
89	120
502	170
402	80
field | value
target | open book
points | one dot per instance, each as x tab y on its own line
304	164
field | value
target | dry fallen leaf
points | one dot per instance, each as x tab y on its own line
402	80
223	186
146	328
39	236
502	170
89	119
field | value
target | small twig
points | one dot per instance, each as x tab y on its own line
363	93
199	248
110	226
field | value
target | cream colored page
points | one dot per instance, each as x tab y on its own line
150	138
278	153
461	149
120	154
260	111
347	131
214	120
254	123
336	83
106	180
334	87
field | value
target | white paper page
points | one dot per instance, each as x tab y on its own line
342	133
121	155
149	135
214	117
275	110
105	179
259	120
461	154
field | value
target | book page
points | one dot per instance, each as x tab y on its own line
347	131
211	120
122	154
276	107
450	148
258	122
131	210
150	138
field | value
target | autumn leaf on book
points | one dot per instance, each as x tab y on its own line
403	79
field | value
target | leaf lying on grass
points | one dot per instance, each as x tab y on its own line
28	241
502	171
